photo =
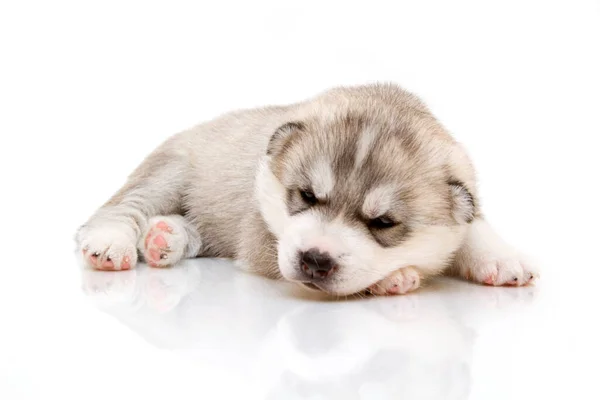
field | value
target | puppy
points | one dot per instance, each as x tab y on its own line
359	188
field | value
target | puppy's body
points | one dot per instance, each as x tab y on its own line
362	180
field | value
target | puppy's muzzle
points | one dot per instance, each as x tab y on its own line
315	265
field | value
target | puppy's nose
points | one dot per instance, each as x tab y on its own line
315	264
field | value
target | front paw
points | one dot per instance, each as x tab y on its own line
501	271
486	258
108	247
399	282
502	266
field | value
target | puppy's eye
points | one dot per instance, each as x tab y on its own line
308	197
382	222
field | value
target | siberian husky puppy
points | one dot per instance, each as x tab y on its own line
357	189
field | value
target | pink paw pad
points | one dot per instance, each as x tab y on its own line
162	225
160	241
154	254
156	245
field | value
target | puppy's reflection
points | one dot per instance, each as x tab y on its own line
160	290
373	351
414	346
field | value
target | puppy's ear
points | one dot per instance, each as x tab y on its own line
281	136
463	203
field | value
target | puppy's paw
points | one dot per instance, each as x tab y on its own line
109	247
164	242
486	258
399	282
506	269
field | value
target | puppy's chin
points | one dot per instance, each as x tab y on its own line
329	288
314	288
311	286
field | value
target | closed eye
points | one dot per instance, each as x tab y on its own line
382	222
308	197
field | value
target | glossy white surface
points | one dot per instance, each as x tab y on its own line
204	328
87	89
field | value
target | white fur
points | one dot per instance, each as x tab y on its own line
270	194
378	201
365	145
301	234
322	179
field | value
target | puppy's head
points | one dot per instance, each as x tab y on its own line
355	197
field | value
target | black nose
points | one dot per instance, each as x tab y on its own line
315	264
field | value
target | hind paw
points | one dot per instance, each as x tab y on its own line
108	247
164	243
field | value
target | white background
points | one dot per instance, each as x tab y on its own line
89	88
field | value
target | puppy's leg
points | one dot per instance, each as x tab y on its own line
485	258
168	239
401	281
108	239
